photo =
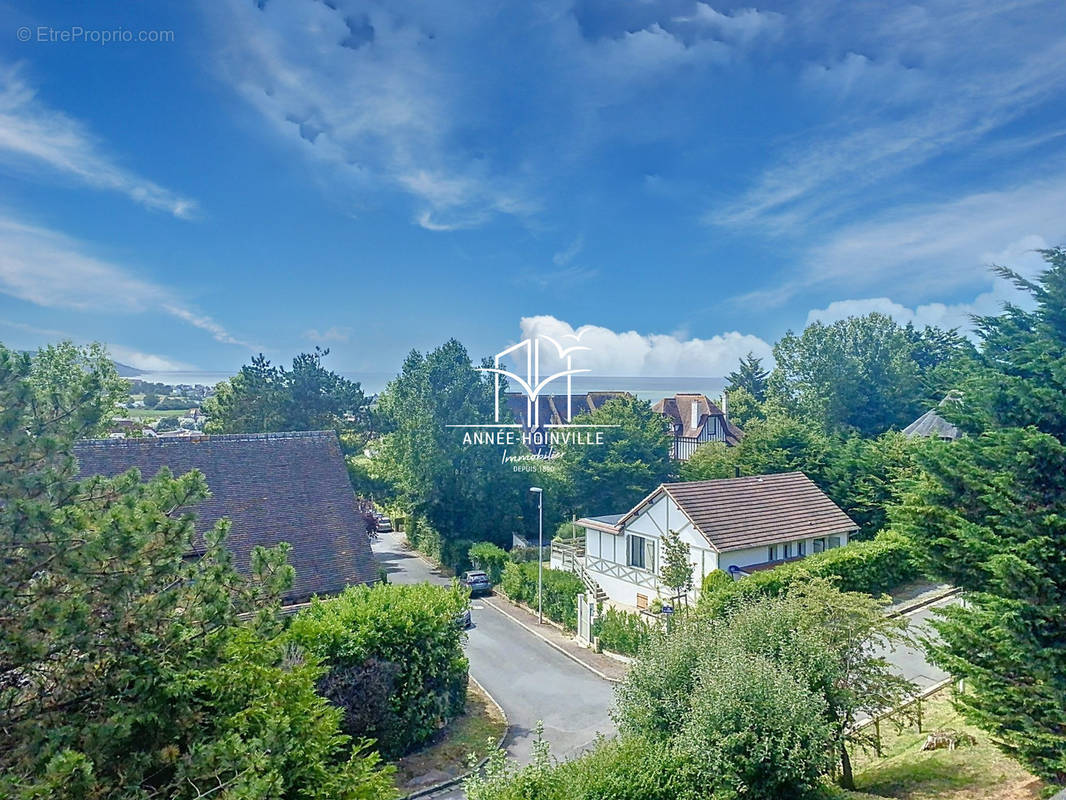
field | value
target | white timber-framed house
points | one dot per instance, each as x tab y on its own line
737	525
695	420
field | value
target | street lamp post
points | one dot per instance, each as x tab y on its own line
540	551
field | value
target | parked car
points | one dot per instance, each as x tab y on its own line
384	524
464	620
477	582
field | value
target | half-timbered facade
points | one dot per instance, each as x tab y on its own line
737	525
694	420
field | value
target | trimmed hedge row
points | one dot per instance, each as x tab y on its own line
874	567
394	658
560	591
621	631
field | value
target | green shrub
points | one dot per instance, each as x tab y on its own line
520	555
395	660
755	731
874	567
561	589
567	530
488	557
614	769
621	631
714	580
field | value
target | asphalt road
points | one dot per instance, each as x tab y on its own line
911	662
531	681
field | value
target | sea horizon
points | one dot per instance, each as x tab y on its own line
644	387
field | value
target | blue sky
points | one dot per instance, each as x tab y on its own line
692	179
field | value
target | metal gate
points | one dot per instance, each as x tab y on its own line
584	620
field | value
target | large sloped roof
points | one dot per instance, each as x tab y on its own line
691	412
930	424
274	487
755	510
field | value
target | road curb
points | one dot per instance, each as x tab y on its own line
552	644
929	601
453	782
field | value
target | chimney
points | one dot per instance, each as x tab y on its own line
695	414
725	406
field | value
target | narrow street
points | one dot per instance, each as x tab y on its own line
529	679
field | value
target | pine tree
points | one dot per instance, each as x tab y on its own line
989	513
749	375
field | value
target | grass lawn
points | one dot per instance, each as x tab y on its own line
447	755
151	413
969	772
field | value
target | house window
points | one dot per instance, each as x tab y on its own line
819	545
834	541
636	552
801	548
787	547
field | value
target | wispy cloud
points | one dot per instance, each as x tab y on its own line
1021	256
49	269
369	97
901	103
31	133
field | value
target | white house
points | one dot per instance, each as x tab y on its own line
738	525
694	420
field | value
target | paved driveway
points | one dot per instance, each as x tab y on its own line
532	681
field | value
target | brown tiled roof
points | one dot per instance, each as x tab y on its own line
553	406
680	407
274	487
734	513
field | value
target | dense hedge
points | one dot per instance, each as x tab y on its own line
488	557
426	539
394	656
560	591
875	567
621	631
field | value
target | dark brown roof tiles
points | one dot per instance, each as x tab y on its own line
756	510
274	487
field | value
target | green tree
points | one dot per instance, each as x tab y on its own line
749	376
778	443
632	461
263	398
127	669
65	376
464	490
989	513
862	374
827	640
865	477
743	408
676	571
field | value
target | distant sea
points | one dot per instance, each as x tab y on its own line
374	382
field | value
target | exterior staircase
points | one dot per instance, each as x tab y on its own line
570	555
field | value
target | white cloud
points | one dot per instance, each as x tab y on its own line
49	269
1020	256
33	133
335	333
149	362
629	353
